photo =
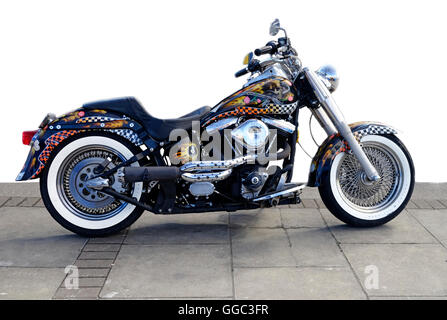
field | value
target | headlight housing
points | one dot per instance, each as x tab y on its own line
329	76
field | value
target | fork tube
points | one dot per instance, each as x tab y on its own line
333	112
324	121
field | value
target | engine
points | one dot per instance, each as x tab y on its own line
234	172
252	134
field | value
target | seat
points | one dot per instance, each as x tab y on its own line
159	129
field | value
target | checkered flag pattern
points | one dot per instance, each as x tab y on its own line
373	129
282	108
95	119
129	135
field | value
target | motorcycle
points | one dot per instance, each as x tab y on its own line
102	165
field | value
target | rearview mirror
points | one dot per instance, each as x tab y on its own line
274	27
248	58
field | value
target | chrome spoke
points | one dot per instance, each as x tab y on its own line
358	190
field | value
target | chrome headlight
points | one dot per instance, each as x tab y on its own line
329	76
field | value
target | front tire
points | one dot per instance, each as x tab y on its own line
77	208
355	200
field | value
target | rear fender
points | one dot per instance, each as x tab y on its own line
47	138
335	144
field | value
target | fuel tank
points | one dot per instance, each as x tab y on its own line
275	95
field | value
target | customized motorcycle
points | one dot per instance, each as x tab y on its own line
103	164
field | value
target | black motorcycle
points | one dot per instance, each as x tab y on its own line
102	165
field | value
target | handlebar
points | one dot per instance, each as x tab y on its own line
241	72
253	66
271	47
263	50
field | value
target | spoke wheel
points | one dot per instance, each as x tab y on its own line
353	198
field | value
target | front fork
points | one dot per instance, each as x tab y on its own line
333	121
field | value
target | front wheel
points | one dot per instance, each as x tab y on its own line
357	201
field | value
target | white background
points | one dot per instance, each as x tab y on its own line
175	56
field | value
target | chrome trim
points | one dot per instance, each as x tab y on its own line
280	124
121	175
201	189
324	121
280	193
274	27
208	176
50	117
221	124
97	183
253	133
329	76
216	165
330	107
274	70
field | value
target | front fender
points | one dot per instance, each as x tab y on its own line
335	144
80	120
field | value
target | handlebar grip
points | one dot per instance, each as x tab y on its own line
241	72
263	50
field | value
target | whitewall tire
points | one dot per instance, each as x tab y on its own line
70	207
355	200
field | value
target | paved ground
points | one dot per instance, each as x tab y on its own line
290	252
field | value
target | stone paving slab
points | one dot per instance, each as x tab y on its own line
296	283
29	202
39	204
29	237
402	269
436	204
258	218
170	271
98	255
88	282
315	247
102	247
14	201
93	272
81	293
301	218
261	248
402	229
435	221
211	228
29	283
422	203
3	200
113	239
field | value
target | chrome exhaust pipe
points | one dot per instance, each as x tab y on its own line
194	171
203	171
216	165
206	176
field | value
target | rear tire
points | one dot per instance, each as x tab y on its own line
73	208
360	203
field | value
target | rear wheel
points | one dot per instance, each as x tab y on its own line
71	202
352	198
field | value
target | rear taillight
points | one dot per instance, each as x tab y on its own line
27	136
